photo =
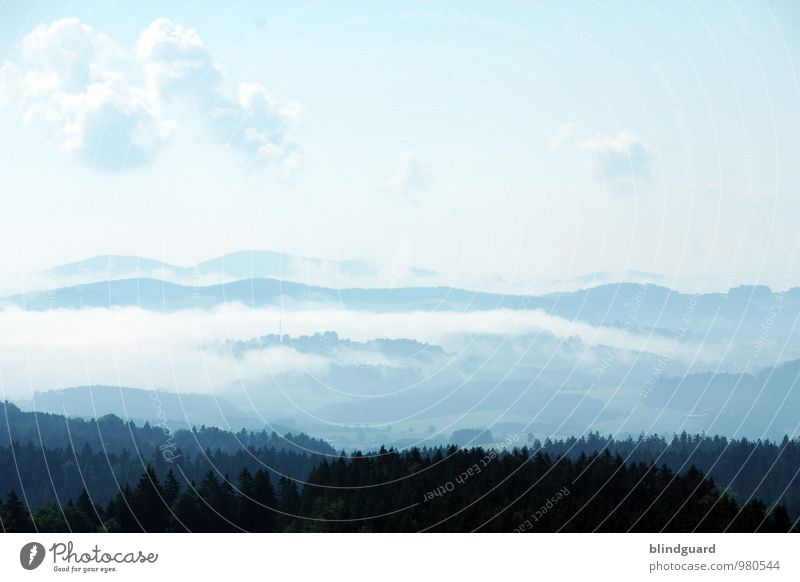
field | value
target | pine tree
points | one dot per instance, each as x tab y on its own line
17	518
50	518
288	501
77	520
121	513
86	506
171	487
779	521
188	513
750	517
247	506
257	502
148	503
218	503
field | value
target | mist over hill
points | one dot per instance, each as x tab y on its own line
346	363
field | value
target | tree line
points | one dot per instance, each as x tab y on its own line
57	475
745	468
439	489
51	465
115	435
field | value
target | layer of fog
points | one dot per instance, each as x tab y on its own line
180	351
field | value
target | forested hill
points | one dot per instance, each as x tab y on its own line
440	490
763	469
59	475
481	490
48	459
114	435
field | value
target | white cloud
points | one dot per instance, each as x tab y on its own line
77	80
256	124
116	106
618	158
176	63
123	346
411	176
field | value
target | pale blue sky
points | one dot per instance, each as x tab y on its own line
479	140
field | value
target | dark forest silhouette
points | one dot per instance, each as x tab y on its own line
111	475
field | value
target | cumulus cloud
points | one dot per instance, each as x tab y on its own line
176	63
618	158
256	124
116	106
76	80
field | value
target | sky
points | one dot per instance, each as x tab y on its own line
502	144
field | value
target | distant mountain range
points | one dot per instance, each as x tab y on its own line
743	316
153	406
261	286
164	296
254	264
632	305
238	265
639	349
248	264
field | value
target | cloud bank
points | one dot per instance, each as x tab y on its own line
116	107
179	351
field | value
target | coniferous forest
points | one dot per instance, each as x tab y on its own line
109	475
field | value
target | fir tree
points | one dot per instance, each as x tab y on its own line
16	518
